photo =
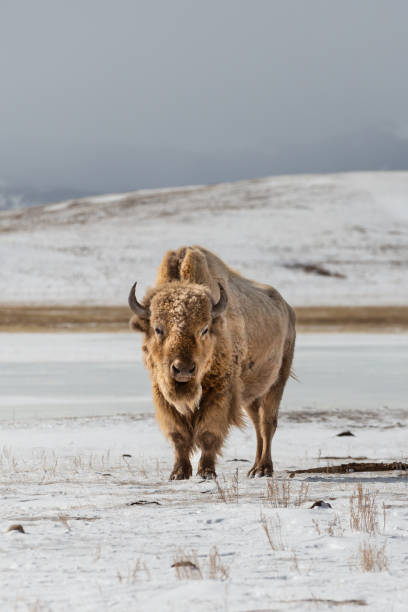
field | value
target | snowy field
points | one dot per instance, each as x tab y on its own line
352	227
84	470
84	467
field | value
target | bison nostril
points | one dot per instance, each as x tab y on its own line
182	371
175	369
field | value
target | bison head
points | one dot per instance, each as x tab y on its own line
180	323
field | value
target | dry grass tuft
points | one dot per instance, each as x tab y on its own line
273	532
334	527
37	606
372	557
217	570
228	492
134	573
64	520
8	462
295	562
188	567
282	494
363	510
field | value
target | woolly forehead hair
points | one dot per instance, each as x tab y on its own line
180	304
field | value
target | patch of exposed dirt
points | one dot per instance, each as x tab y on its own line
318	269
64	318
352	318
115	318
347	468
315	415
317	602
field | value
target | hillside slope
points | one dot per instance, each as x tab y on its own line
319	239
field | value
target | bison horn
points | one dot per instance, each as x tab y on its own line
221	305
134	305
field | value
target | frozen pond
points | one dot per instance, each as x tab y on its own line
63	375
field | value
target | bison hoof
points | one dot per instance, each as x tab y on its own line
263	469
181	472
207	473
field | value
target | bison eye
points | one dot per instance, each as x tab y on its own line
205	331
158	331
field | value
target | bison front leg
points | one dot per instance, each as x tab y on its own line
210	444
179	431
182	469
212	428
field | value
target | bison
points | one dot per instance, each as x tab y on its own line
215	344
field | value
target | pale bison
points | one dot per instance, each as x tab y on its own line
215	343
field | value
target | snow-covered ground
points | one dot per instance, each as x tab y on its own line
84	467
103	525
90	251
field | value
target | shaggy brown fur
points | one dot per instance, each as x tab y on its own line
206	369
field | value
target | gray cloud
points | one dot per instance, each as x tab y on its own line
106	96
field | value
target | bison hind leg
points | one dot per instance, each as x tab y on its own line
264	415
258	470
264	428
253	411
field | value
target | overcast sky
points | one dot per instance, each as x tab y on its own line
115	95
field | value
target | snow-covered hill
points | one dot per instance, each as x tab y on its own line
320	239
16	196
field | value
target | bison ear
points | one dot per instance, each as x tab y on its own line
169	268
222	303
137	324
194	267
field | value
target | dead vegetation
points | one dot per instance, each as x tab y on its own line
317	269
36	606
188	567
363	510
63	518
327	603
347	468
228	491
273	532
45	467
283	493
372	557
333	527
363	515
96	318
351	318
134	573
216	568
64	318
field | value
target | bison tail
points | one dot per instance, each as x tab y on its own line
293	375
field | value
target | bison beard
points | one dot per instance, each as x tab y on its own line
185	397
215	344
